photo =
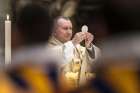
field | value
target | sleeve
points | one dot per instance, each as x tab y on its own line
68	50
94	53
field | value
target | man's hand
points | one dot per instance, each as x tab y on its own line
78	37
88	40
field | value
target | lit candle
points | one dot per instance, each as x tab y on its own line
7	40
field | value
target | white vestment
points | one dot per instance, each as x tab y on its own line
76	57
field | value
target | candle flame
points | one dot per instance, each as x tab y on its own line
7	16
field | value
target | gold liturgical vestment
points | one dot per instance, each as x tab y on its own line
78	67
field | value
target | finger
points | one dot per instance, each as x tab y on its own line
81	35
90	35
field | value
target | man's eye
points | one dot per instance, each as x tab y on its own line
66	28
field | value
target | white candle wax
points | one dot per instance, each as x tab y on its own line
7	40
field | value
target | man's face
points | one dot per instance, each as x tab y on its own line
63	31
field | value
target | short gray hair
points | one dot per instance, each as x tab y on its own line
57	18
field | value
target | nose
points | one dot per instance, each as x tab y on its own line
70	31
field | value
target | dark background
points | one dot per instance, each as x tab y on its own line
105	18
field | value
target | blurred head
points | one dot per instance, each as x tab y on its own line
34	24
62	29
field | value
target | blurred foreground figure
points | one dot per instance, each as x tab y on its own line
78	59
33	25
119	69
33	68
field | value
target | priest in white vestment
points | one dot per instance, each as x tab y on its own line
78	59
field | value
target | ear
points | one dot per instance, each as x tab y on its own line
54	33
